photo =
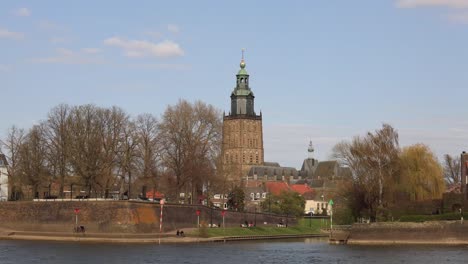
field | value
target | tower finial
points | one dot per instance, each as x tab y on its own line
242	64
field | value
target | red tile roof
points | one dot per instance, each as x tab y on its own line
276	188
157	195
301	188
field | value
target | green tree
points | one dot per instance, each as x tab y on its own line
236	199
287	203
422	175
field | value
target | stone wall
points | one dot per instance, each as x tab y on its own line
119	216
427	232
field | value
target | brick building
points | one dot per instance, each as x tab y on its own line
242	145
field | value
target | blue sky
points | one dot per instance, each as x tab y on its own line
321	70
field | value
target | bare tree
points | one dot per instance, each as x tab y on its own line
33	162
190	136
452	169
127	157
374	162
113	122
57	134
86	145
11	146
148	150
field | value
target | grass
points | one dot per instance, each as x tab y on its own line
303	227
439	217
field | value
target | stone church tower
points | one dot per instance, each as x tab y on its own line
242	131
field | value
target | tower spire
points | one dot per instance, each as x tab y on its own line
242	63
310	150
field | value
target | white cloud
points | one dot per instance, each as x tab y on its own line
432	3
5	33
173	28
461	18
66	56
23	12
142	48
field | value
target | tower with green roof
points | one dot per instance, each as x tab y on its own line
242	130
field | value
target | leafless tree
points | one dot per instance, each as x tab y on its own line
452	169
190	138
374	163
33	161
11	147
148	150
86	145
57	139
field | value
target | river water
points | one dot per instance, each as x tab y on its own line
284	252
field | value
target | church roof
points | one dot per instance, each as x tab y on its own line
271	164
326	169
272	171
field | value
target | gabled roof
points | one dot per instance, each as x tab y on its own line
276	188
309	165
326	169
301	188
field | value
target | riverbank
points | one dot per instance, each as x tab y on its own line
399	233
124	238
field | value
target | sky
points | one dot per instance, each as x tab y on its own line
324	71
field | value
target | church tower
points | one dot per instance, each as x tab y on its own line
242	131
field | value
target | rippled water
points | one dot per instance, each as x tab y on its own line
292	251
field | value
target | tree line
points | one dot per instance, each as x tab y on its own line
102	151
384	174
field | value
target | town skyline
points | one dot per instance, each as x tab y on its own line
334	73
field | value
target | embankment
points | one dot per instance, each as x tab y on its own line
434	232
118	216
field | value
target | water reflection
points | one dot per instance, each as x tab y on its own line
314	250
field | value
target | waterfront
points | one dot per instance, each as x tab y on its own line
288	251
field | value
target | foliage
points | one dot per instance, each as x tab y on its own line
421	174
373	161
382	172
287	203
236	199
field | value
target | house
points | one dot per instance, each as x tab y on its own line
3	178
